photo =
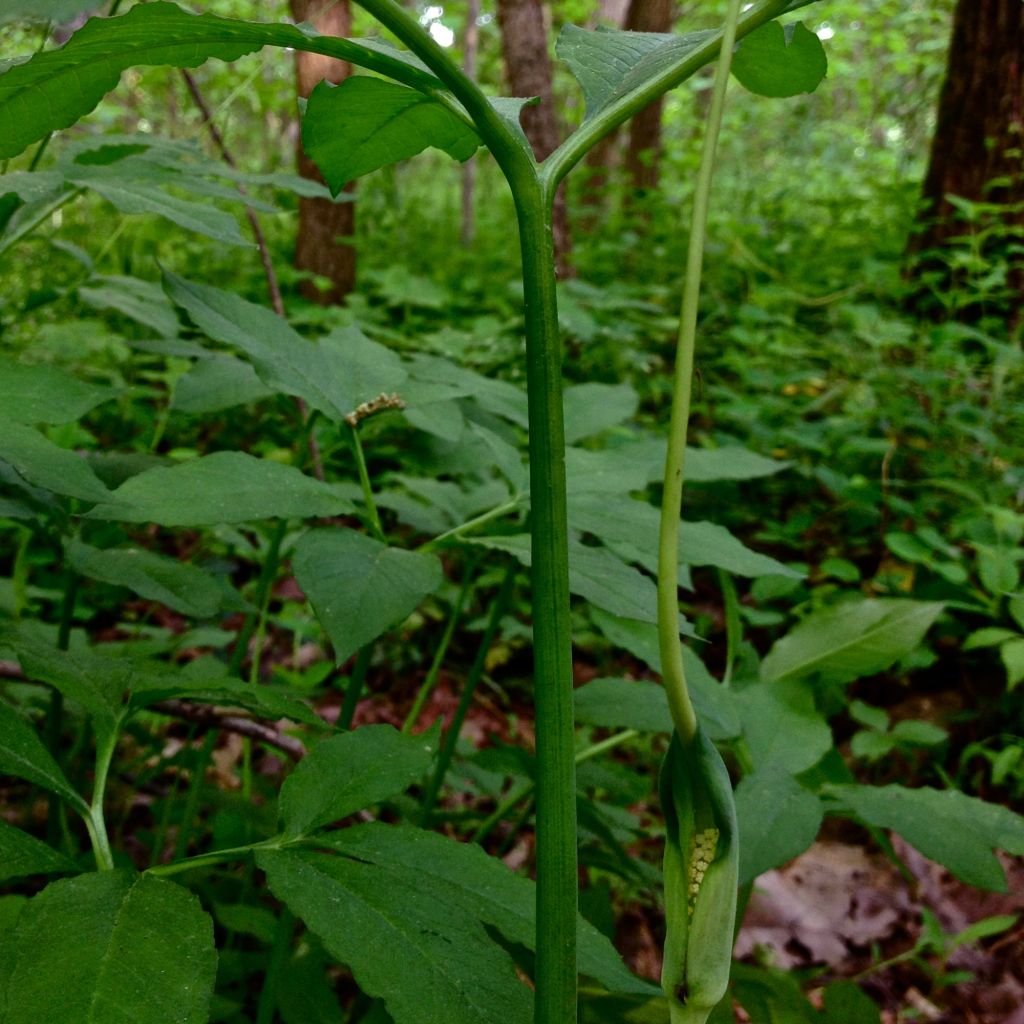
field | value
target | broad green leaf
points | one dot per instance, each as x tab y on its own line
1012	655
334	374
778	820
304	994
715	705
45	11
428	957
591	408
226	487
782	727
703	465
141	301
22	855
947	826
610	64
111	948
56	88
854	639
41	462
217	383
425	901
613	471
131	194
771	997
24	756
97	684
595	574
178	585
365	123
631	527
845	1003
346	773
45	394
359	587
780	61
32	186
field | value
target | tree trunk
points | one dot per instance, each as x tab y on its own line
979	135
320	247
642	156
524	44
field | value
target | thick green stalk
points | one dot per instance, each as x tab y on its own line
673	674
556	973
364	481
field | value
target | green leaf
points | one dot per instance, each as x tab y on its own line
780	61
783	729
141	301
56	88
41	462
217	383
359	587
45	394
178	585
110	948
854	639
45	11
592	408
22	855
346	773
609	64
24	756
620	521
771	997
364	123
449	891
97	684
334	375
955	830
1012	654
778	820
304	994
845	1003
135	194
226	487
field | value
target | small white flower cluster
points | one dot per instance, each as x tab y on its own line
702	852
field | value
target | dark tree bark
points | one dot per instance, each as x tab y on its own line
979	136
644	152
320	247
524	44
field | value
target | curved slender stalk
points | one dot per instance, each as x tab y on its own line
430	681
673	674
509	148
559	163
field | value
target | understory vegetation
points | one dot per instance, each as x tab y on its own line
270	583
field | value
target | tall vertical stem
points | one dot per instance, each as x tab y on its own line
552	638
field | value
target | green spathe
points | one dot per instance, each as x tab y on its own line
701	866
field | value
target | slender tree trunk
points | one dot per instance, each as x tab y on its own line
472	45
644	152
320	247
524	43
979	137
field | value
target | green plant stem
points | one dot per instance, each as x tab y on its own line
733	625
197	779
616	113
442	649
279	950
263	584
557	899
355	687
94	821
525	789
215	857
472	524
476	671
364	480
673	674
57	815
23	230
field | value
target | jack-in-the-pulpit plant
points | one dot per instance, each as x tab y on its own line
433	931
